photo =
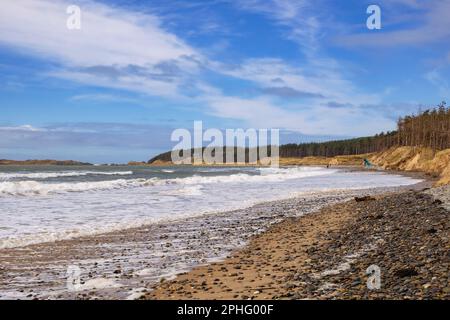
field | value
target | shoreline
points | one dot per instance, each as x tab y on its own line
127	263
29	240
325	255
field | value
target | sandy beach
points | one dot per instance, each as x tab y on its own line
128	263
264	251
214	150
325	255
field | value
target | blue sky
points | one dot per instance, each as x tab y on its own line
114	90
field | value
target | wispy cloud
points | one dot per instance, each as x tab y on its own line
119	135
102	97
22	128
440	82
300	18
428	23
320	79
313	119
114	47
288	92
134	50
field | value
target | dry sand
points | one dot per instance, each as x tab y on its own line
325	255
259	270
289	255
127	263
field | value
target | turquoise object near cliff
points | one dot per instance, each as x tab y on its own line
367	163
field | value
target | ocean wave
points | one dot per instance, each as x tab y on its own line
46	175
194	190
156	200
27	188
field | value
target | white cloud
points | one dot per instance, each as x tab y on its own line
121	49
428	24
281	10
320	77
101	97
85	134
25	127
435	78
316	120
108	37
299	16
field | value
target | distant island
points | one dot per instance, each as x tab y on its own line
43	162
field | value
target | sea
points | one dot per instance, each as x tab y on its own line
48	203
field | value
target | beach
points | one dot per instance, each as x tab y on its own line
128	263
243	150
152	260
326	254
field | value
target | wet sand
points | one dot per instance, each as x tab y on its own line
325	255
144	262
128	263
260	270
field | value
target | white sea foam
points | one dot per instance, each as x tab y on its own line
42	211
29	188
88	229
46	175
194	190
98	283
265	176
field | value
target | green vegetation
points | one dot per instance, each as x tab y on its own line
430	128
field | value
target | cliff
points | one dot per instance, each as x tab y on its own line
347	160
435	163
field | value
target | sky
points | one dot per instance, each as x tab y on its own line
115	89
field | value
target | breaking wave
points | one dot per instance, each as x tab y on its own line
46	175
29	188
